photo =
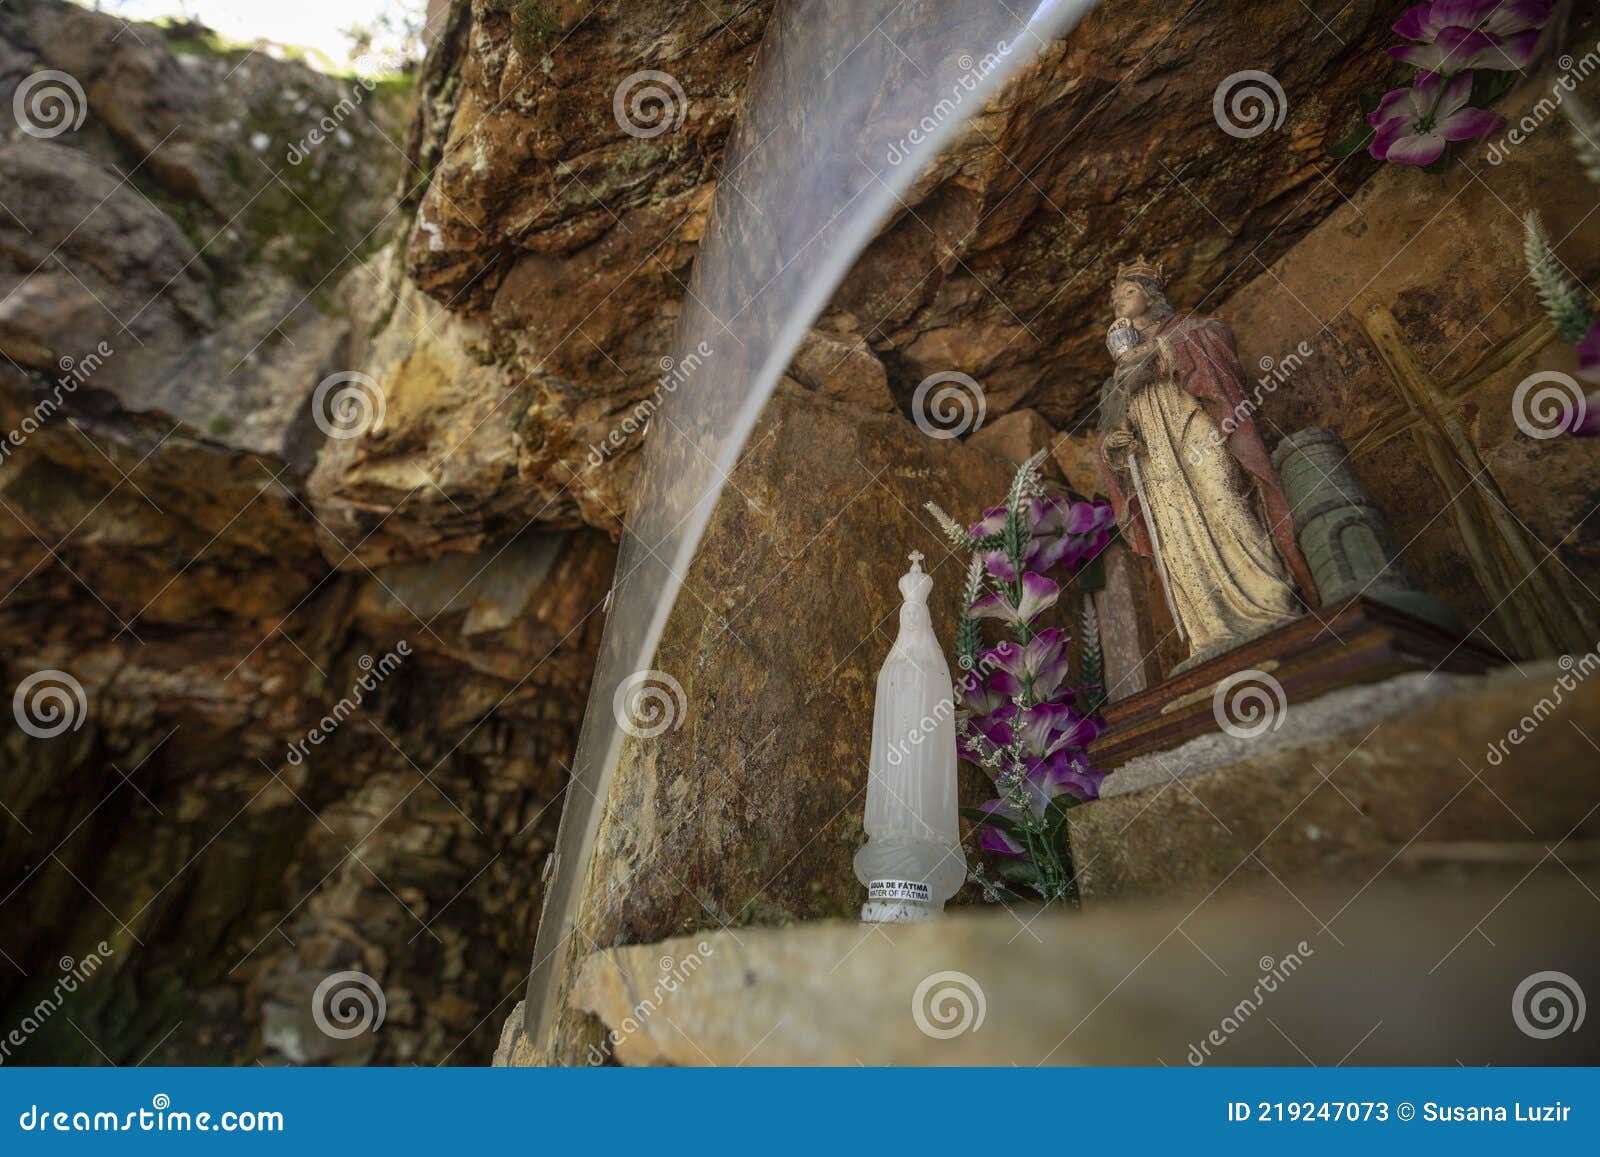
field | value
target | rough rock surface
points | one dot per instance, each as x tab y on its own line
748	809
172	226
183	538
1016	437
571	240
161	544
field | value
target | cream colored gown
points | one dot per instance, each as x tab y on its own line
1228	582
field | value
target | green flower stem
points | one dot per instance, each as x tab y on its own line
1426	124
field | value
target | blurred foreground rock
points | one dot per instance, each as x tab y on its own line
1285	980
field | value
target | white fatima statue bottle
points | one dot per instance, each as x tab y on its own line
912	862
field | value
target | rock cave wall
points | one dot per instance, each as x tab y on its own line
292	759
508	266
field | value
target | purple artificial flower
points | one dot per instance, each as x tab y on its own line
982	703
1061	531
1046	730
1415	124
1077	732
1061	774
1004	656
1043	661
1039	594
981	696
1040	724
1074	775
1457	35
1064	773
1071	516
1068	532
1586	422
1589	354
992	838
996	728
984	734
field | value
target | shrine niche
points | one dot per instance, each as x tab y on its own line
1279	566
1448	534
1336	582
741	699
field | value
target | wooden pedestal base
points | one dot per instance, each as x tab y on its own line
1356	641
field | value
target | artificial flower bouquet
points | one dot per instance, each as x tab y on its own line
1019	716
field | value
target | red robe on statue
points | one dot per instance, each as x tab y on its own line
1207	367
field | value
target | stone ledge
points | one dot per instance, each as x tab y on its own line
1303	726
1348	785
1139	985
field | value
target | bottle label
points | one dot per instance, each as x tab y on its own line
912	890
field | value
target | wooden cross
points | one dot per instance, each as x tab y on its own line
1535	607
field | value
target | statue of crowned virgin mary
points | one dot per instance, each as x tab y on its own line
1191	481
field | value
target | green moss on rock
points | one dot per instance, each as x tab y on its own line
532	25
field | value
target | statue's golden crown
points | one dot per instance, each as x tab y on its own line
1139	267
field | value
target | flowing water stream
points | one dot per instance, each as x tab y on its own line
848	102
